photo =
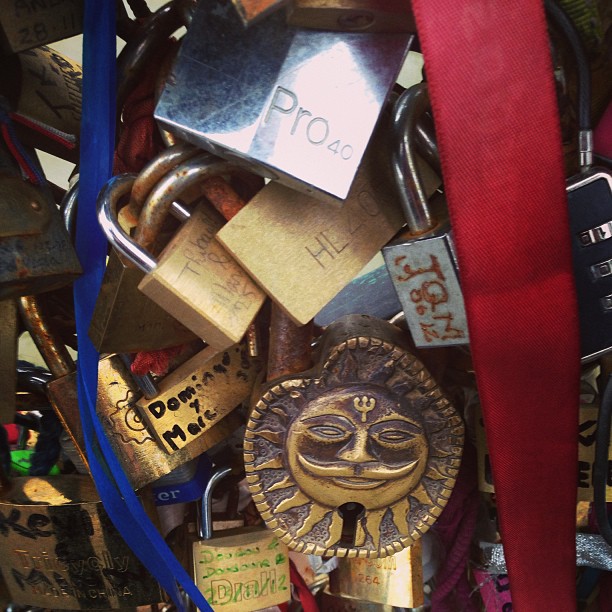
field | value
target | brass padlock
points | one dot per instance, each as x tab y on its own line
239	570
421	260
331	602
195	278
143	460
60	549
277	96
396	580
9	335
36	254
312	250
357	456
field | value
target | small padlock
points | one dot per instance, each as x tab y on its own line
142	458
422	260
396	580
36	254
353	15
277	96
195	278
60	549
331	602
356	456
313	250
244	570
9	335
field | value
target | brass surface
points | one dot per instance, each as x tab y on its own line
198	394
199	282
353	15
368	426
339	603
289	351
310	250
242	571
8	360
127	321
396	580
61	551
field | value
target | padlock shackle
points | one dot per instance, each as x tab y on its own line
205	530
170	188
111	193
33	379
409	107
68	207
53	350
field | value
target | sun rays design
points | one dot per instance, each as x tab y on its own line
310	526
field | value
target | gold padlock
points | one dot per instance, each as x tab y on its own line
240	570
195	278
9	334
141	457
60	549
331	602
357	456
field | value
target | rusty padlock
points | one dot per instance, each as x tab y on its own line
356	456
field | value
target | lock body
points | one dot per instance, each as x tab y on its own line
331	602
279	97
61	551
9	335
396	580
589	197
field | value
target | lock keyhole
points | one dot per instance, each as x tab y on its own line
350	512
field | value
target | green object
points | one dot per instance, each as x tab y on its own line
21	461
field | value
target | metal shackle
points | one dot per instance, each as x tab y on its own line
205	529
408	109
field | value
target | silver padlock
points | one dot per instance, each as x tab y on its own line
422	261
299	105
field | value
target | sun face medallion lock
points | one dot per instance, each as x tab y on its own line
357	456
284	99
195	278
239	570
421	261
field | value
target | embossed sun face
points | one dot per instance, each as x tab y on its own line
357	444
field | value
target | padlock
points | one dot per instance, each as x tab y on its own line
195	278
239	570
357	456
142	458
36	254
331	602
312	249
25	25
421	260
589	197
251	11
148	327
60	549
353	15
396	580
277	96
43	88
9	335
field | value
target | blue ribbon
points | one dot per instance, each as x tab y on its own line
97	146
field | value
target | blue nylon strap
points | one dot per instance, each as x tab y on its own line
97	146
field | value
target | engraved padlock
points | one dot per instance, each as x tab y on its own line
238	570
60	549
36	254
421	260
142	458
195	278
356	456
279	97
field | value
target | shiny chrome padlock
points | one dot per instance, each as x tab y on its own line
421	260
195	278
284	99
239	570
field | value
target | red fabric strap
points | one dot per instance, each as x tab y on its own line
491	84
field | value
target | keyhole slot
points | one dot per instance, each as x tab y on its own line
350	513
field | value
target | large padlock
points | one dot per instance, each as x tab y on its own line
331	602
9	335
421	260
61	551
36	254
242	569
195	278
143	460
313	250
277	96
357	456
